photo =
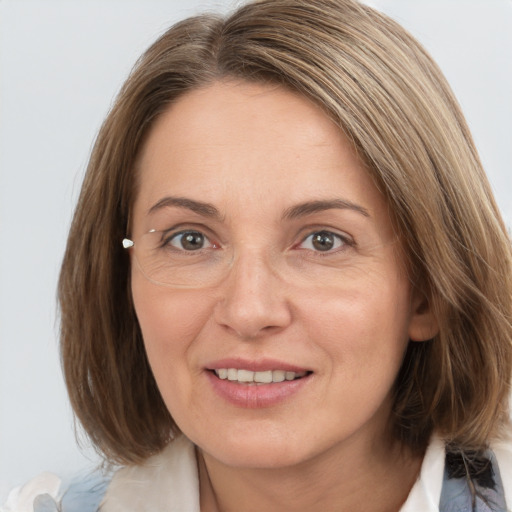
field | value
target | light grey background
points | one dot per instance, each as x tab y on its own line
61	64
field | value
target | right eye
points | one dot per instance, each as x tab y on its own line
189	240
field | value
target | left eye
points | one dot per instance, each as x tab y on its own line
189	240
323	241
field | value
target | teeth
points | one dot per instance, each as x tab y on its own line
249	377
245	376
279	375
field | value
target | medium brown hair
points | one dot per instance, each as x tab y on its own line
386	94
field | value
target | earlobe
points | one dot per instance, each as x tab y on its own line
423	325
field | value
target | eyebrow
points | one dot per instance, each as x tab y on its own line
204	209
294	212
309	207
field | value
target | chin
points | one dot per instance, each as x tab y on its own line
272	450
258	458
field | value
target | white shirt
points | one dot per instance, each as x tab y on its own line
169	482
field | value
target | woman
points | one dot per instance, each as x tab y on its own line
287	282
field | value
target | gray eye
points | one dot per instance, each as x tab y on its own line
322	241
189	240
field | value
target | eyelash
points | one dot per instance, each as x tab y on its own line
341	242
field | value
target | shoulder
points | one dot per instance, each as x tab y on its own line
49	493
166	482
440	488
502	450
489	474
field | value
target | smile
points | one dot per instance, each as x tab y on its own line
249	377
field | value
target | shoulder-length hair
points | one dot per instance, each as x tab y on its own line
387	95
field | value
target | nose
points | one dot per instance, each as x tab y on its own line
253	300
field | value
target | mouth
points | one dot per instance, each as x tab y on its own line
258	378
256	384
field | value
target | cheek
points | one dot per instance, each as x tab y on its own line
168	323
362	327
171	322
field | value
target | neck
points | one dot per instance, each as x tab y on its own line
339	480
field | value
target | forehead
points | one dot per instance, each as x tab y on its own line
235	100
252	142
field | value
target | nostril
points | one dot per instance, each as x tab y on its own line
250	321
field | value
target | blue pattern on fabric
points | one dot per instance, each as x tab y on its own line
482	491
45	503
83	494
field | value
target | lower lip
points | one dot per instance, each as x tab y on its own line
256	396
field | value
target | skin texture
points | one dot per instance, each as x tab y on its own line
346	315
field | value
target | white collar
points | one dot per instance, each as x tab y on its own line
166	482
426	492
169	482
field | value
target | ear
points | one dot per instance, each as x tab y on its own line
423	325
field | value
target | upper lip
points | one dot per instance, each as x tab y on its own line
259	365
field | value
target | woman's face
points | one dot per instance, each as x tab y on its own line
285	265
